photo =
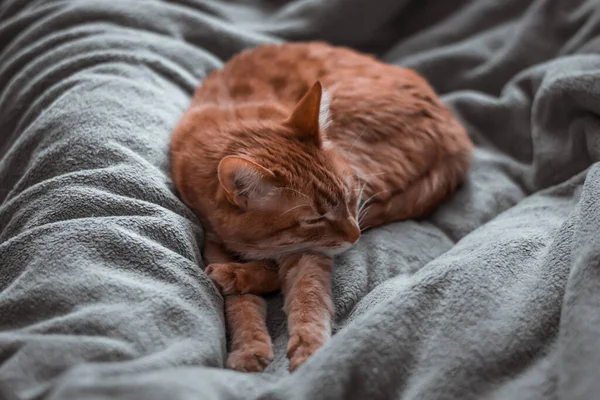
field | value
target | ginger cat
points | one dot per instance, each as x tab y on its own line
282	173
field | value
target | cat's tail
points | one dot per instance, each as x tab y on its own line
424	194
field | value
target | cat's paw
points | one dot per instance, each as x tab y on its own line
228	277
252	357
301	346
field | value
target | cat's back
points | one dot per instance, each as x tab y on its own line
282	72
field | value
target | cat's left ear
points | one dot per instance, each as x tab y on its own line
311	115
246	183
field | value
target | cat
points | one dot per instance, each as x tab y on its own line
287	155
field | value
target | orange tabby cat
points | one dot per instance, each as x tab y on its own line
282	174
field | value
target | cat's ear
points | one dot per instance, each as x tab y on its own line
311	114
246	183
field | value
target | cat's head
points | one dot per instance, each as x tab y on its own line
289	190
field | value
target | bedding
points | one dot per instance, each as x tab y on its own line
103	295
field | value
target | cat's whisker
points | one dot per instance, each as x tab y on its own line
363	215
295	207
356	140
296	191
358	203
360	177
369	199
361	190
366	228
376	194
362	187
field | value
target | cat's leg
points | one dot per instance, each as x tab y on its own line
254	277
306	282
251	349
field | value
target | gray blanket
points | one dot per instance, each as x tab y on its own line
495	296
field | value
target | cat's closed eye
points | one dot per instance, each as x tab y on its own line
313	221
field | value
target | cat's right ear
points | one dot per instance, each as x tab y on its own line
311	115
246	183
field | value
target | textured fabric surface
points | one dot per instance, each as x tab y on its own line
495	296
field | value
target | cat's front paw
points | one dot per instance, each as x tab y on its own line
301	346
252	357
226	276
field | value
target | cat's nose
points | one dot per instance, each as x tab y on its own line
351	230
